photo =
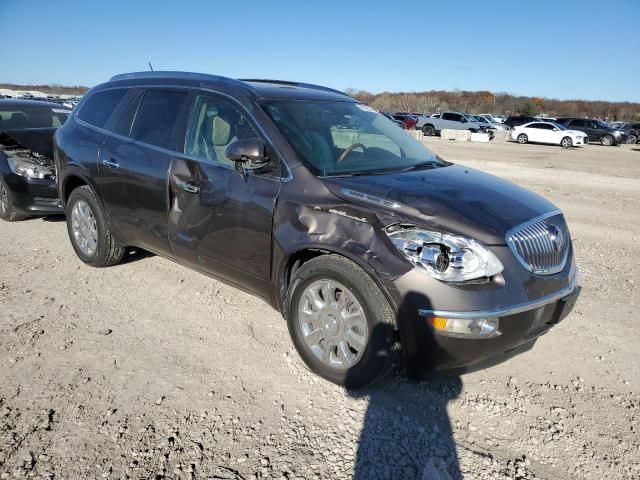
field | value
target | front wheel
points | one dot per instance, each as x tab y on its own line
566	142
522	139
88	230
632	139
340	322
7	212
607	140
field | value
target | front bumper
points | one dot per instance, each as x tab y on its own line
526	306
33	196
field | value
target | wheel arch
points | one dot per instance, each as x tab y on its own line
73	180
296	258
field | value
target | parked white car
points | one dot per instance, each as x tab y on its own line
547	132
492	118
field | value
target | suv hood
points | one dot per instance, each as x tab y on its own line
456	198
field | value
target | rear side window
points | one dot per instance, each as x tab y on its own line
156	117
99	106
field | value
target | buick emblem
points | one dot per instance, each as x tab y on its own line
556	236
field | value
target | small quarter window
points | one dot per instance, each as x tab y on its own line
99	106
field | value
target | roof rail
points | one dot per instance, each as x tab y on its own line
173	74
293	84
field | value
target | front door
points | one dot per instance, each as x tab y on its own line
221	217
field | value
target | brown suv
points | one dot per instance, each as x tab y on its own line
338	218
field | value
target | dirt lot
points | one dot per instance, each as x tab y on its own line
150	370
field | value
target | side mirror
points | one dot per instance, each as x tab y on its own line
556	129
464	120
249	151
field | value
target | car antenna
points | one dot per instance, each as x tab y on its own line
150	67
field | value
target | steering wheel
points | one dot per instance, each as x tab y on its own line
349	150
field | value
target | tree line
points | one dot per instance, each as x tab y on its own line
499	103
53	89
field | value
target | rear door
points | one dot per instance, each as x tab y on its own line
533	132
134	165
221	215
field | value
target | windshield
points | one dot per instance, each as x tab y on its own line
342	138
558	126
17	118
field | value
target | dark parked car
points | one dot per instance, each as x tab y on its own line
360	237
390	117
595	129
517	120
633	130
27	174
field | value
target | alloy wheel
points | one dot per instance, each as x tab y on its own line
84	228
607	140
333	324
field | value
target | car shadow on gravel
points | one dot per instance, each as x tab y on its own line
406	430
55	218
133	255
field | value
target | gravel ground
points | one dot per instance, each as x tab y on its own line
150	370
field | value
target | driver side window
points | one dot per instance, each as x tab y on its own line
213	125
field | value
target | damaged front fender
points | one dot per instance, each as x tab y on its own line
348	230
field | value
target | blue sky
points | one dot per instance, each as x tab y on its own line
561	49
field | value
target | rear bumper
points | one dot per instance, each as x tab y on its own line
519	325
33	196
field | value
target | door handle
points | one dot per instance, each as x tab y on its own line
187	187
111	163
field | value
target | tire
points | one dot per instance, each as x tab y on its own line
632	140
607	140
7	212
566	142
319	335
522	138
86	221
428	130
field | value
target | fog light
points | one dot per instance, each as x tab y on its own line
466	327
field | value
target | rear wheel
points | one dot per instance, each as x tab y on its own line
607	140
522	138
340	322
88	230
428	130
7	212
566	142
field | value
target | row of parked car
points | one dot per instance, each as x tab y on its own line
565	131
360	236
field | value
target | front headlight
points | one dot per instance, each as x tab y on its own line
444	256
26	168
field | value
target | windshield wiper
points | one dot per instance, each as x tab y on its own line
423	165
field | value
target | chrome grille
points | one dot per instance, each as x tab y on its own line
542	244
